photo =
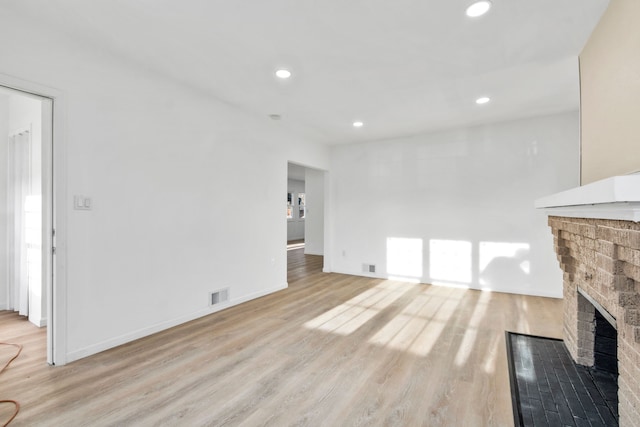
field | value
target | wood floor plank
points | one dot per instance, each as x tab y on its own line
331	350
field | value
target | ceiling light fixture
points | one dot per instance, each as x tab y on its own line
478	8
283	73
358	124
483	100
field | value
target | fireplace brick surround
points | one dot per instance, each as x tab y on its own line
601	258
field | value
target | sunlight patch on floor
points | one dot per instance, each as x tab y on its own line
418	327
351	315
491	357
426	341
471	332
403	328
523	323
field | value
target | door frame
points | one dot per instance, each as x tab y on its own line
53	212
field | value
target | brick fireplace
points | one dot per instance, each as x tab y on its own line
600	260
596	233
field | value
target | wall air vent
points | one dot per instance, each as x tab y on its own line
219	296
368	268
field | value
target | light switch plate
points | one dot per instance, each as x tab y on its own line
82	203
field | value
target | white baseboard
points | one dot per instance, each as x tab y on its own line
312	252
528	291
357	273
141	333
39	323
532	293
255	295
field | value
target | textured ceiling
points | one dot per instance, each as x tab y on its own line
402	66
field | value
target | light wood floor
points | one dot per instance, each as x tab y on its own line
332	350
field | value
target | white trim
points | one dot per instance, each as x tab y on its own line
20	129
55	278
46	167
141	333
312	252
617	197
421	281
58	290
616	189
328	224
620	211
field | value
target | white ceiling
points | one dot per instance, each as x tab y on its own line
401	66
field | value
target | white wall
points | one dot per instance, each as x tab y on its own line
455	207
4	132
314	221
295	225
168	224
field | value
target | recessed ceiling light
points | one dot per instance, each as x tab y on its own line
283	73
358	124
275	116
478	8
483	100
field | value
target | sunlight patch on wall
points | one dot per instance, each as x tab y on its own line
404	258
349	316
450	260
502	263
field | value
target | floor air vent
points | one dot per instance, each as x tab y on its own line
219	296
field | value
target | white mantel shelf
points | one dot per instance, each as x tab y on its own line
611	198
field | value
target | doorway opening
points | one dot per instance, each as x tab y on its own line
305	217
296	206
26	227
